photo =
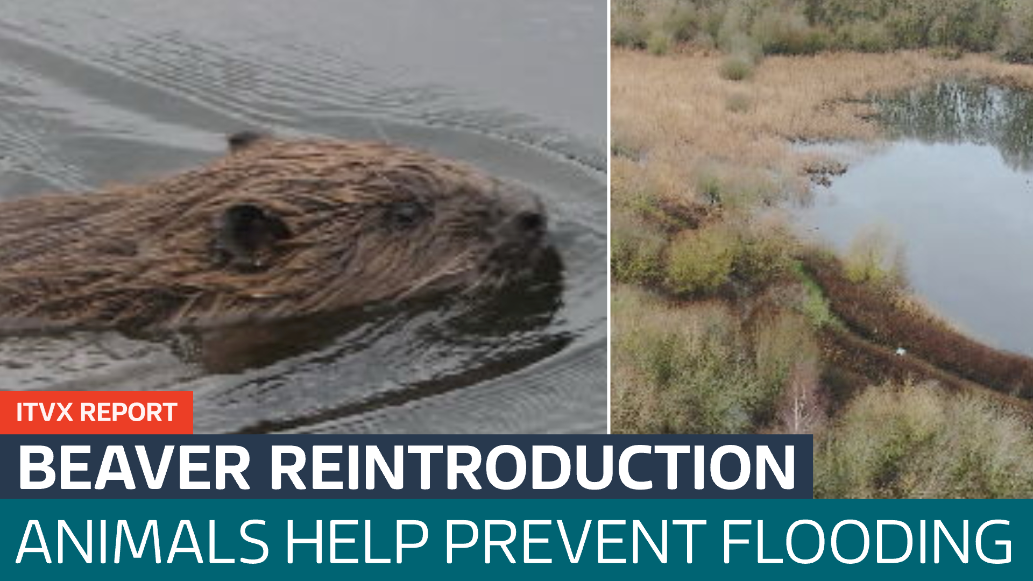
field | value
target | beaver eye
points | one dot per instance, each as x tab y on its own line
407	214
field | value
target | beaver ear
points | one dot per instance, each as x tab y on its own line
245	235
244	139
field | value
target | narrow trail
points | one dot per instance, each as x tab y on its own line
868	360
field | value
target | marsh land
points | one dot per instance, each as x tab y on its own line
820	217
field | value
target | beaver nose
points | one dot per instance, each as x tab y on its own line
527	224
531	223
523	217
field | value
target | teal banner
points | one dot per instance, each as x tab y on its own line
513	539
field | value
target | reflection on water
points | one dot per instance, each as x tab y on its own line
966	112
956	189
473	322
433	348
124	90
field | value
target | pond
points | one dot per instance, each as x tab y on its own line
954	187
93	93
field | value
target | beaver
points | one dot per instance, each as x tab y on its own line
274	229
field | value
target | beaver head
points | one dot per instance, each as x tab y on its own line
275	229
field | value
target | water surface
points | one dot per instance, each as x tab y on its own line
955	188
111	91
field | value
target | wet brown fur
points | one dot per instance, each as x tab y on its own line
359	222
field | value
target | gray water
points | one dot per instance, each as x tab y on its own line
955	189
107	91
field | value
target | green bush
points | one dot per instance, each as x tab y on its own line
683	370
731	33
636	250
907	28
780	32
864	36
920	442
683	22
736	68
784	343
659	43
628	33
1017	37
754	27
649	206
875	257
700	262
764	252
972	25
627	26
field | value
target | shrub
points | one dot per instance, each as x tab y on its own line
736	68
972	25
745	250
876	258
755	27
645	193
636	250
781	32
683	22
627	28
907	28
659	43
731	33
764	251
700	262
786	352
917	441
683	370
628	34
1017	36
864	36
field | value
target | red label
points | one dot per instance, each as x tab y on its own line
96	412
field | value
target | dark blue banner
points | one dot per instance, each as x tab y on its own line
427	467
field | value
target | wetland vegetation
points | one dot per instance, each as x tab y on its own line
730	315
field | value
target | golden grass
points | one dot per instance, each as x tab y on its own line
672	113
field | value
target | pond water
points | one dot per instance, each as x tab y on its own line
955	188
113	91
